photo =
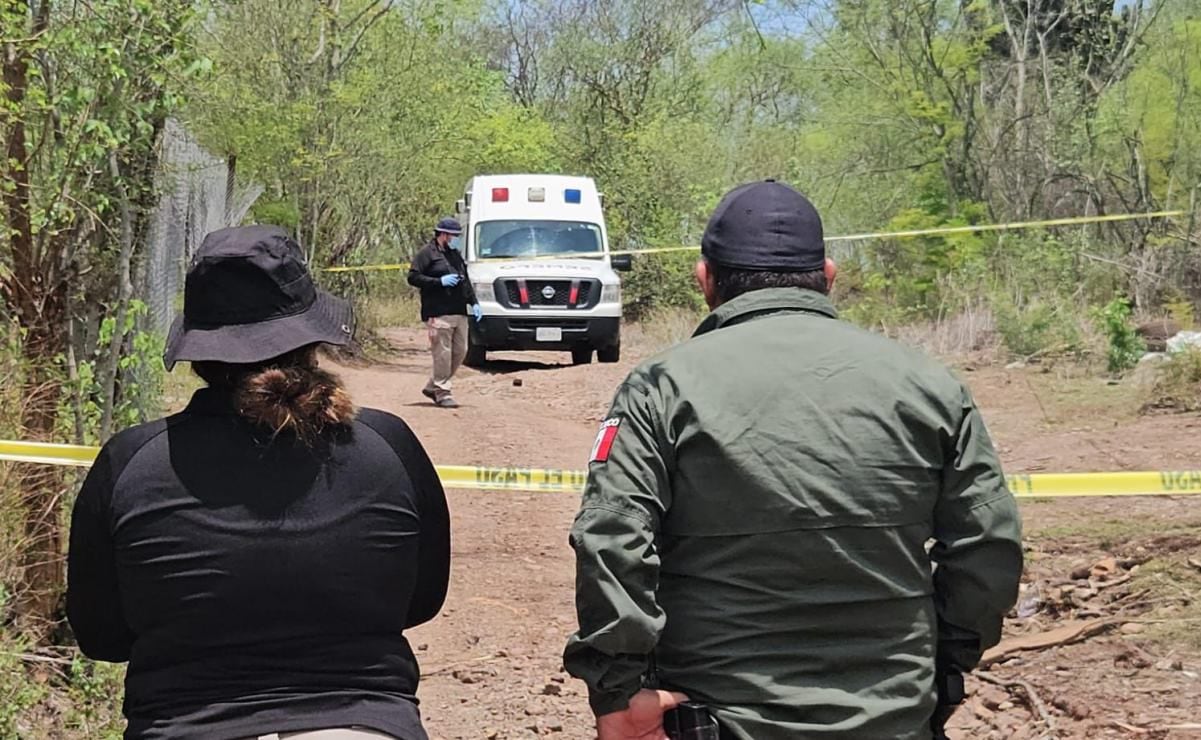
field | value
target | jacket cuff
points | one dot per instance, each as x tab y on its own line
608	702
958	649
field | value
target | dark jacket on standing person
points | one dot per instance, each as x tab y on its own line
253	585
428	267
754	529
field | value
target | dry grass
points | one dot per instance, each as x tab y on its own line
178	387
377	312
57	694
42	696
1069	392
1176	384
10	538
1175	578
662	329
969	333
387	302
11	507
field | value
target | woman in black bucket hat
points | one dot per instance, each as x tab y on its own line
257	557
249	297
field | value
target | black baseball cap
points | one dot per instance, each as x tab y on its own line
249	297
765	226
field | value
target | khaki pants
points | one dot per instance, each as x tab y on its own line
448	344
334	733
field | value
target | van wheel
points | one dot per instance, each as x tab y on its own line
609	354
582	356
477	356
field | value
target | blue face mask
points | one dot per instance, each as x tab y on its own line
455	243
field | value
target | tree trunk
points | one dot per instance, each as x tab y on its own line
108	375
37	298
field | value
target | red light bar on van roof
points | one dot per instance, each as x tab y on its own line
500	195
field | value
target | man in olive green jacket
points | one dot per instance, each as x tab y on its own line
754	532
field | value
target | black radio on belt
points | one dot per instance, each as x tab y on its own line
691	721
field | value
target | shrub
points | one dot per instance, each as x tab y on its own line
660	281
1178	384
1124	345
1037	328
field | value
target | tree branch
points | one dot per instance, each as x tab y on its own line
352	50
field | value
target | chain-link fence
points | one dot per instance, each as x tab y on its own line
198	196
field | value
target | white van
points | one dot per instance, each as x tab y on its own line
538	257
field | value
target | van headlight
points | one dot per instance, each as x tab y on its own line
611	294
484	292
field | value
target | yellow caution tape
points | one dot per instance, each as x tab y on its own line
1012	226
1143	483
538	480
452	476
512	479
368	268
44	453
909	233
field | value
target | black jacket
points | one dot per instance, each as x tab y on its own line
259	587
430	264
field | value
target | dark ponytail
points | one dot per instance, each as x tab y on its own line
288	394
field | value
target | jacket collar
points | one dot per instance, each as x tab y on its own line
211	402
758	303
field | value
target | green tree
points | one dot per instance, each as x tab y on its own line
359	152
86	90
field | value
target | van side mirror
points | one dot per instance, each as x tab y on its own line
622	262
460	206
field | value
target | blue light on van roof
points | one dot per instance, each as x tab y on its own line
571	195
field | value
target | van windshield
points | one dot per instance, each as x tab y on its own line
524	239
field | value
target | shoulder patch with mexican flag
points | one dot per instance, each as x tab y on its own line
604	440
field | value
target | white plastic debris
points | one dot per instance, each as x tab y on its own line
1031	602
1184	340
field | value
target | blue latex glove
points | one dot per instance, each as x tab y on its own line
450	281
477	312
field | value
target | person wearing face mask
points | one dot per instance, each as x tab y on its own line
447	297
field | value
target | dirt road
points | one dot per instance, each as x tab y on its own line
491	661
